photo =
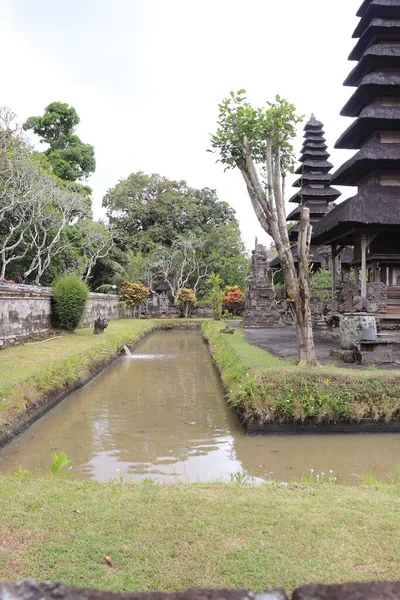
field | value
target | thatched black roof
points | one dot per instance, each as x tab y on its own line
373	155
376	57
377	28
374	117
374	207
377	84
310	146
313	124
314	165
313	178
326	194
385	9
363	8
316	210
316	136
313	154
163	287
347	257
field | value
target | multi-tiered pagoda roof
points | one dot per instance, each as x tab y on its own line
375	168
315	190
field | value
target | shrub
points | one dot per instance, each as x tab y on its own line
187	301
233	300
215	295
321	285
69	299
133	294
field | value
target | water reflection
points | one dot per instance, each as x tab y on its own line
161	414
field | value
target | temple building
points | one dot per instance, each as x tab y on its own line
370	221
315	192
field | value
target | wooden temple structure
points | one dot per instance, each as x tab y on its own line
370	220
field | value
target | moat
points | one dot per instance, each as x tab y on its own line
162	414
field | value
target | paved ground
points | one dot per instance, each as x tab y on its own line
282	343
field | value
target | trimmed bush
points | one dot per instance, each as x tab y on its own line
69	300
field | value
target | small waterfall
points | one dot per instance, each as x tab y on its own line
126	350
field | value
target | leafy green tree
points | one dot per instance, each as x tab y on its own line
225	254
216	295
258	142
147	211
70	159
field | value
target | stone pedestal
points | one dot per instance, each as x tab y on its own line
352	326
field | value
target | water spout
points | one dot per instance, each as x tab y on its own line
126	350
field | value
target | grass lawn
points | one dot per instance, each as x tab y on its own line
266	389
170	538
21	362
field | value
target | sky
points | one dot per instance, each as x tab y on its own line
146	77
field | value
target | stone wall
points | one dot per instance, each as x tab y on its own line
31	590
25	310
104	306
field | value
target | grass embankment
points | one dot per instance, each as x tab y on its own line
31	373
222	536
267	390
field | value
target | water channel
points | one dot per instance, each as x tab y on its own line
161	414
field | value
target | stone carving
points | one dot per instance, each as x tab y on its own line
99	326
260	304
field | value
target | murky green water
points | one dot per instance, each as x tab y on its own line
162	414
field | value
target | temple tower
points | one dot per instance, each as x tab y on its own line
370	221
314	184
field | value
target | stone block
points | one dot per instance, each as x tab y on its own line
350	591
30	590
352	326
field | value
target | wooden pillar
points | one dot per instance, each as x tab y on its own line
333	270
364	244
377	272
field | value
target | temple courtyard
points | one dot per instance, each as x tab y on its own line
281	343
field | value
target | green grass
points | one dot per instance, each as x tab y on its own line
30	373
170	538
268	390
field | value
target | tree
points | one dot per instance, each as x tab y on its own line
187	301
54	210
257	141
216	295
96	243
226	255
70	159
179	265
149	211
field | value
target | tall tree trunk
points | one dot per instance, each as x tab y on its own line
269	205
305	338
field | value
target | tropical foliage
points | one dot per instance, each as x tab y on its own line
133	294
233	300
187	301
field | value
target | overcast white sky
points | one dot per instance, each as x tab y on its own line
146	76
